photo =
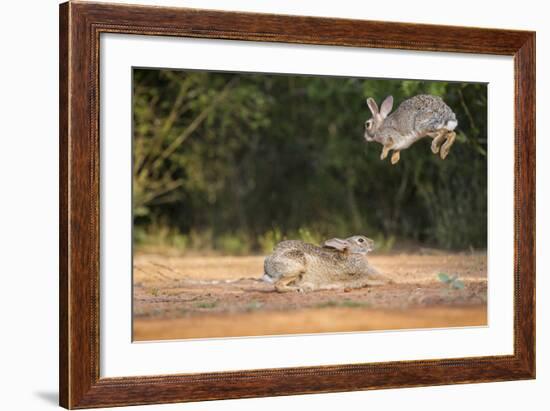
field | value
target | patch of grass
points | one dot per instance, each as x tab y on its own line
327	304
354	304
254	305
269	240
347	303
309	236
233	244
154	292
159	236
384	243
206	304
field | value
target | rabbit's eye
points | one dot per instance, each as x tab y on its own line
361	240
369	123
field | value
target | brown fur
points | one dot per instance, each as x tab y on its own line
298	266
415	118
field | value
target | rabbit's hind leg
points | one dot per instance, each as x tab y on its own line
385	151
395	157
290	266
450	138
438	139
285	284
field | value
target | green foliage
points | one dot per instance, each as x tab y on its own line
308	236
233	244
207	304
268	240
237	162
384	243
159	236
444	278
452	281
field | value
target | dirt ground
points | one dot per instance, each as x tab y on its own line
205	297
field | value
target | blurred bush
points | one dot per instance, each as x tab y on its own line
236	162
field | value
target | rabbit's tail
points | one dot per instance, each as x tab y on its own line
267	278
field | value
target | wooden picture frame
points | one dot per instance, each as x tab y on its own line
80	27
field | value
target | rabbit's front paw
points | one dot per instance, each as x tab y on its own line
305	288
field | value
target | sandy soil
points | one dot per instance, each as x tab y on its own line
199	297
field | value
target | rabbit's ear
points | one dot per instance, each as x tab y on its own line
386	106
336	243
373	106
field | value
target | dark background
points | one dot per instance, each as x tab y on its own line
233	163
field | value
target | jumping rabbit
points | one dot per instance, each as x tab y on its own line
337	264
417	117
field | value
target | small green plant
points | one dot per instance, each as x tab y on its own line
347	303
452	281
155	292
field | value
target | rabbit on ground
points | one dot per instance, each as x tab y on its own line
337	264
417	117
